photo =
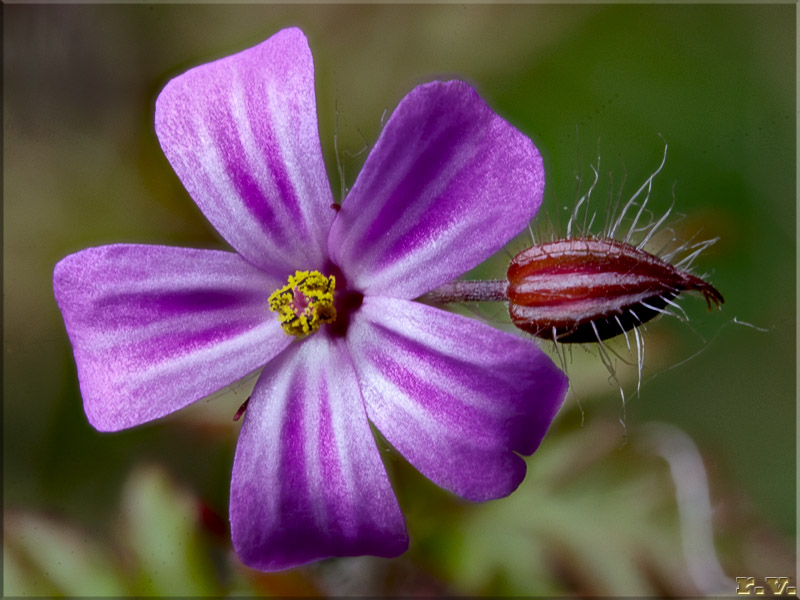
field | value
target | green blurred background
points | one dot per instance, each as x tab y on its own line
144	511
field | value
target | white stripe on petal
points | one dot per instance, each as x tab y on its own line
308	481
241	133
456	397
447	184
154	328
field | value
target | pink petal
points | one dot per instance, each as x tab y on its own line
456	397
241	133
155	328
308	482
447	185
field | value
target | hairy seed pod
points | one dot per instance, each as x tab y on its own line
588	289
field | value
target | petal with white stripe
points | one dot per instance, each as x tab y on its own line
155	328
447	184
459	399
241	133
308	482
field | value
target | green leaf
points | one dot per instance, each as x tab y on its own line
161	530
43	557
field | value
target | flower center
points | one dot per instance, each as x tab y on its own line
304	303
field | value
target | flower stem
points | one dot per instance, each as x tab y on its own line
469	291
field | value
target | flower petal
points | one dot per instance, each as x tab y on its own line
308	482
456	397
155	328
241	133
447	184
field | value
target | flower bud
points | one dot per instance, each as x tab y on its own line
590	289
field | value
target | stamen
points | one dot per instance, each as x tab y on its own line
304	303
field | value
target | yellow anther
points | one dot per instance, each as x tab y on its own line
304	303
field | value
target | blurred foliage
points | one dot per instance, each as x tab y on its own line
593	517
82	167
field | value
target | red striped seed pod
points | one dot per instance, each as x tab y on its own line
588	290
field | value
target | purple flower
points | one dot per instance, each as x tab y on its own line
155	328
